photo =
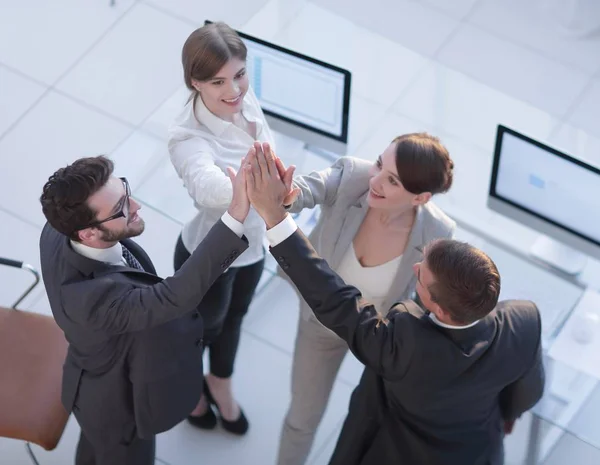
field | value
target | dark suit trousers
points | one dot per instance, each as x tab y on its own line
223	309
132	450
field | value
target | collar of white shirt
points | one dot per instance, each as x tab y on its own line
444	325
218	125
112	255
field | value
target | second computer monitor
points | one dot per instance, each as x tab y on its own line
553	192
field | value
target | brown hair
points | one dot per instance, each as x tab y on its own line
466	281
207	50
423	163
65	195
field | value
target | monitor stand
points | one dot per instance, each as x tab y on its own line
558	255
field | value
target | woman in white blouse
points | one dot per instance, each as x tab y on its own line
375	220
220	122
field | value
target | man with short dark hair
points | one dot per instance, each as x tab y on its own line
134	363
457	283
441	385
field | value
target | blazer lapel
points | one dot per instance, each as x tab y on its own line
352	221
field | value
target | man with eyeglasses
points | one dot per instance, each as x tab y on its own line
134	363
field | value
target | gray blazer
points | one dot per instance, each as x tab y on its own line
341	191
134	363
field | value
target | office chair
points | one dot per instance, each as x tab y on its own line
32	352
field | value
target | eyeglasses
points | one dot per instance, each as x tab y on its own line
123	211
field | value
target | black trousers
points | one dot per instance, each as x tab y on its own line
131	450
223	309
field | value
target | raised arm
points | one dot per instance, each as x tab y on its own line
321	187
119	307
205	182
384	345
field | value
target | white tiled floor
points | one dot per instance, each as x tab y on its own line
24	92
527	24
44	39
447	100
234	12
83	78
457	9
513	69
411	23
585	113
119	74
53	133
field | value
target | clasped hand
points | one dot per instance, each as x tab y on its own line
263	182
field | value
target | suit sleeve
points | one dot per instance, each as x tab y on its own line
120	307
525	392
383	344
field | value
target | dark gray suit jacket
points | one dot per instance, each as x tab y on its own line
134	361
438	396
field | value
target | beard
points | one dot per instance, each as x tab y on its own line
131	230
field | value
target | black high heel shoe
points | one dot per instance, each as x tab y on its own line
239	426
209	419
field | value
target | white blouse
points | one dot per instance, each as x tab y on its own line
373	282
202	146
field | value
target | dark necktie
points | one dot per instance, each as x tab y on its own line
130	259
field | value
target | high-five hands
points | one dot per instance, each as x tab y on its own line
288	176
263	180
240	204
268	184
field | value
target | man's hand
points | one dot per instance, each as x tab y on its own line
288	176
240	204
266	189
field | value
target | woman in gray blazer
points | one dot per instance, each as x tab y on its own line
375	220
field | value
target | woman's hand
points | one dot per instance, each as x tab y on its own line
287	175
240	204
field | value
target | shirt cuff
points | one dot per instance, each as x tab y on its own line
233	224
279	233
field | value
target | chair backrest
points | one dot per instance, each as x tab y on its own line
32	353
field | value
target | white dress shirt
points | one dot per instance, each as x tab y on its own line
202	146
279	233
112	255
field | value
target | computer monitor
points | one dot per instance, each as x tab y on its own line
302	97
550	191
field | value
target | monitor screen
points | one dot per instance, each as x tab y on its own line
548	184
297	88
309	99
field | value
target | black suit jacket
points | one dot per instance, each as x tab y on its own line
429	395
134	361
